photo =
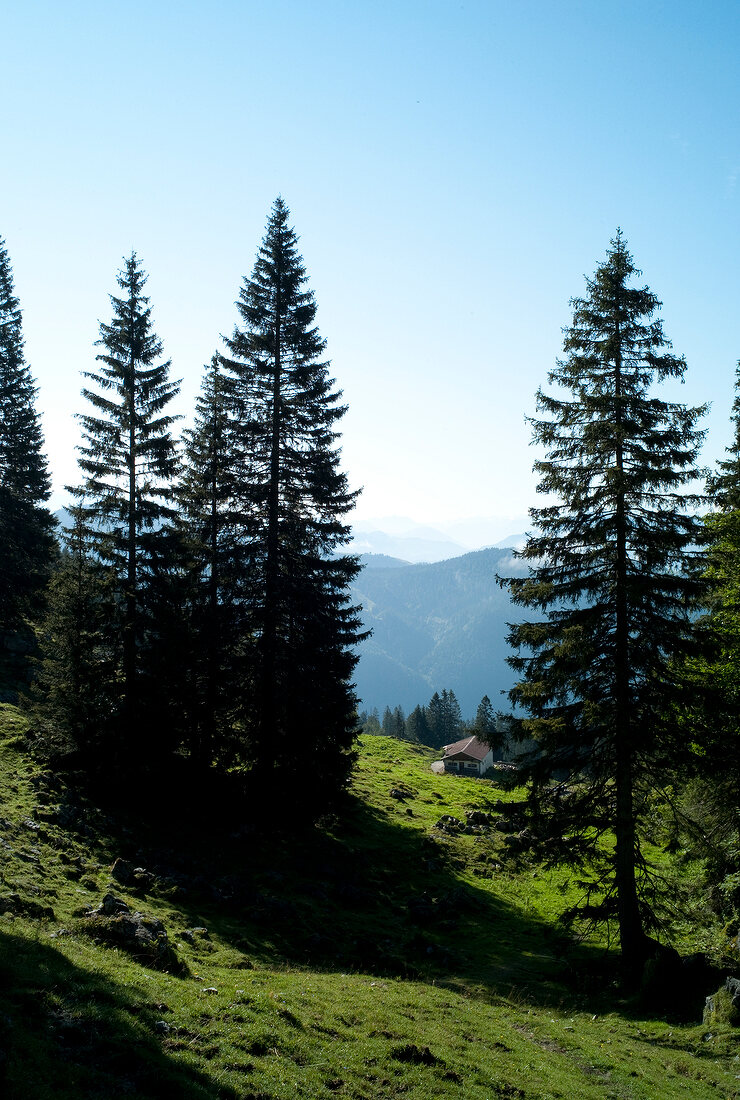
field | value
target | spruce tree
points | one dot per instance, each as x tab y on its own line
299	715
453	723
417	726
710	701
77	690
26	526
484	725
216	598
129	461
444	719
435	721
613	570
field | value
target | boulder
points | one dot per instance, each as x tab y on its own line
478	817
139	935
122	872
723	1007
134	878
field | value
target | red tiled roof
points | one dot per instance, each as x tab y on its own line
469	747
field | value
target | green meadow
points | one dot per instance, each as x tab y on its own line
373	956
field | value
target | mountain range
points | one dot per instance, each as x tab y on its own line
403	538
435	625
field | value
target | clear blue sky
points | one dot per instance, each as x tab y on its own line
453	171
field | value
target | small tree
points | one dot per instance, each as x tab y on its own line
77	690
27	543
614	570
484	724
370	723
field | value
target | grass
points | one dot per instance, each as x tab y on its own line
378	958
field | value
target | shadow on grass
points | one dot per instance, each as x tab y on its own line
368	893
69	1033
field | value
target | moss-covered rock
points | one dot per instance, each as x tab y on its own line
723	1007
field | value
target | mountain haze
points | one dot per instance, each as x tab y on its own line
438	625
401	537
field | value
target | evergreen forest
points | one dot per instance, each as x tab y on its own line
181	736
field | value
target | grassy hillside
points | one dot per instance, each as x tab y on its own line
381	958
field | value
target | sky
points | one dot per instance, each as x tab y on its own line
454	171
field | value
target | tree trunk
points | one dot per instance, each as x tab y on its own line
631	934
129	627
270	621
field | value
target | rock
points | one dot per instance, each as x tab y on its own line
449	824
189	934
142	879
677	984
723	1007
19	906
112	905
122	872
135	878
141	936
478	817
396	792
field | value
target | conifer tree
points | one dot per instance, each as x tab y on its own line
299	711
129	461
370	723
417	726
26	526
710	702
615	576
444	719
77	690
484	725
217	595
435	721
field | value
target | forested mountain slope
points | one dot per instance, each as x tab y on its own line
440	625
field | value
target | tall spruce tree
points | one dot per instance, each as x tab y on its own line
26	526
299	714
614	570
129	461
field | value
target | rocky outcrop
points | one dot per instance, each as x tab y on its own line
144	938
